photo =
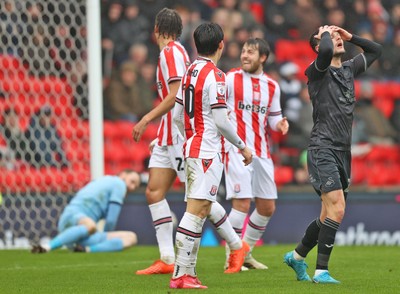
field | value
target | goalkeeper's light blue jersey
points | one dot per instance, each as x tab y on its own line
95	197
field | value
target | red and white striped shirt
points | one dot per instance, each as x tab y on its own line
202	89
252	101
172	64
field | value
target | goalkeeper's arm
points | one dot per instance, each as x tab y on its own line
113	212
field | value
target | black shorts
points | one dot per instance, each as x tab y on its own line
329	170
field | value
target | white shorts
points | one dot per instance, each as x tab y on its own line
203	178
169	157
254	180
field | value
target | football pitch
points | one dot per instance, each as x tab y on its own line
367	269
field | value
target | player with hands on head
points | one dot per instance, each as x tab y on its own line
201	115
331	89
100	199
253	100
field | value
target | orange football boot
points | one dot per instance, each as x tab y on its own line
236	259
158	267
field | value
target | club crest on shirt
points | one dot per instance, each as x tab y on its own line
213	190
219	73
221	90
236	188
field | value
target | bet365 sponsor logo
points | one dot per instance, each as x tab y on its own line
252	107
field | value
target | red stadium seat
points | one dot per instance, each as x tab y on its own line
283	175
385	105
384	153
123	129
108	129
151	132
359	170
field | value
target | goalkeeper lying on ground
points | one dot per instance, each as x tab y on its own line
99	199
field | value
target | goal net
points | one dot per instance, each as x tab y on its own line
44	134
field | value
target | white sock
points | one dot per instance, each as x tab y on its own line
237	219
162	221
317	272
188	236
223	226
255	228
297	256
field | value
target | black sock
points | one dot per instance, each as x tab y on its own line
326	240
310	238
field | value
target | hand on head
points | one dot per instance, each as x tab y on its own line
345	35
323	29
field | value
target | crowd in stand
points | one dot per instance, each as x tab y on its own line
130	54
128	46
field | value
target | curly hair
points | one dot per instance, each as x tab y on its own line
169	23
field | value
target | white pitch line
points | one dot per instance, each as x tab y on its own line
18	267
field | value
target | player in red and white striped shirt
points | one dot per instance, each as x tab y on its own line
253	100
166	161
200	113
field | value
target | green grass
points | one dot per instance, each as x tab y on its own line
371	269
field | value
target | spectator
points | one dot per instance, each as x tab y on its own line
356	16
390	60
111	36
249	19
134	28
12	133
122	98
147	84
395	16
289	82
150	8
231	57
308	17
280	19
300	118
45	145
370	125
139	54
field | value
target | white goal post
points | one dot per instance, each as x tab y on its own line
51	128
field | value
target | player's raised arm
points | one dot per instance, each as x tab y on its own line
324	48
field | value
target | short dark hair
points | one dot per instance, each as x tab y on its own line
207	37
261	45
314	42
169	23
